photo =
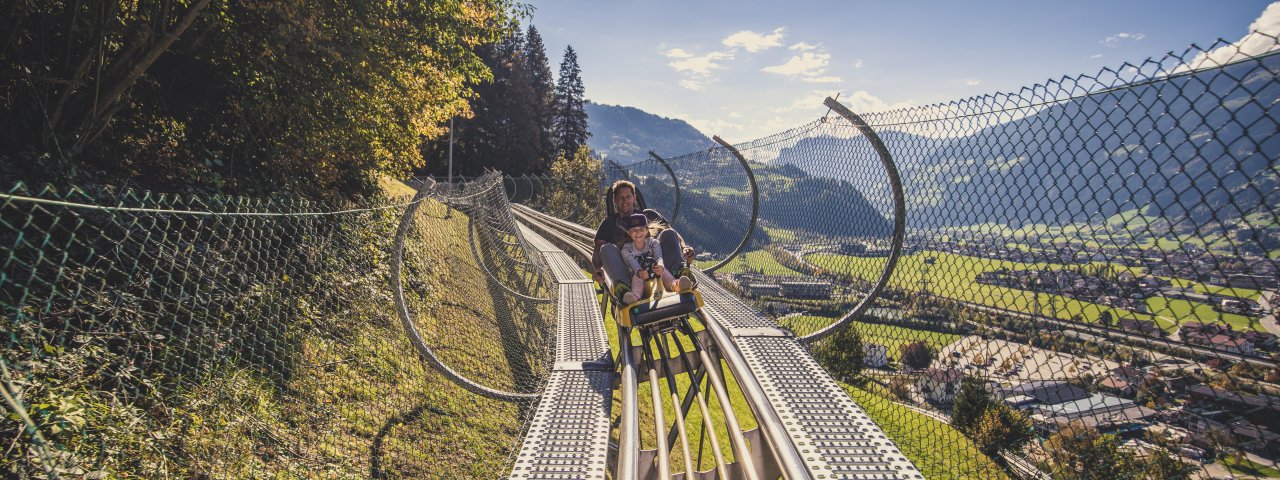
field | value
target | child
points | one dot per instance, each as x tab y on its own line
637	226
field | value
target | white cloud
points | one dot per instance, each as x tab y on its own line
971	83
700	65
802	46
754	42
822	79
1117	39
692	84
1260	40
863	102
677	53
857	63
807	63
1096	55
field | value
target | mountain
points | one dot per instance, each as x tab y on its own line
1199	148
626	134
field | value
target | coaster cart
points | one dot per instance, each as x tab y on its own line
650	309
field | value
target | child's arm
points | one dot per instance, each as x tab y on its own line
629	257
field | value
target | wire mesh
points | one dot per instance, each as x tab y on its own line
222	337
1097	254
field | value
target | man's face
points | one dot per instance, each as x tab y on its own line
625	199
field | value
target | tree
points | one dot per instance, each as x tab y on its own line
576	192
1081	452
842	354
250	97
971	403
543	89
917	355
570	125
1001	429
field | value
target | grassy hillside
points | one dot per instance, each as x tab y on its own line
301	375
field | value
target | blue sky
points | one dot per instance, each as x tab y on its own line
745	69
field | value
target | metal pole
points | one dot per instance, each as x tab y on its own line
899	221
450	155
674	181
755	205
629	427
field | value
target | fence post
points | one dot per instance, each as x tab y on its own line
899	220
755	204
675	181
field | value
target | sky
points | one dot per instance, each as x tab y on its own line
746	69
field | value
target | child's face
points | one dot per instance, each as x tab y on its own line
638	233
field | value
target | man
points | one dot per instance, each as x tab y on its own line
611	233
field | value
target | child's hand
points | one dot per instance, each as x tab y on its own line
643	274
657	269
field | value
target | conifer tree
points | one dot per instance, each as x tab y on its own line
543	92
570	126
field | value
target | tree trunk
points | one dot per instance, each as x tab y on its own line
99	114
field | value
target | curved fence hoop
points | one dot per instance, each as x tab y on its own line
475	252
415	337
755	205
899	220
674	181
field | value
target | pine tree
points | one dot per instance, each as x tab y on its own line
570	124
543	92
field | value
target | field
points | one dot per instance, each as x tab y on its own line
755	261
890	336
1249	467
952	276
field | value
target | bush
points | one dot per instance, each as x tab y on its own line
917	355
842	354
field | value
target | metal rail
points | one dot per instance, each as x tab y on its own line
674	181
899	220
755	205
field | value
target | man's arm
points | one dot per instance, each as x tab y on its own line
597	263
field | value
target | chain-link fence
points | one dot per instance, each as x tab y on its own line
1098	252
219	337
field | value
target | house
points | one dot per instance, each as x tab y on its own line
938	385
1046	391
757	290
1123	380
1140	327
875	355
1221	337
1230	343
1104	412
819	290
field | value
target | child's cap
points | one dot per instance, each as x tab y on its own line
635	220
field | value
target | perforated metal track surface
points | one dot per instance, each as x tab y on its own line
536	241
564	268
569	435
581	335
837	439
835	436
730	310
